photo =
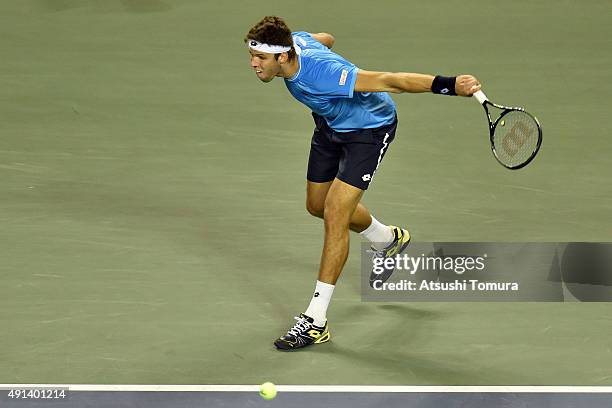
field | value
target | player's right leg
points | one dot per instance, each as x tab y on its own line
361	154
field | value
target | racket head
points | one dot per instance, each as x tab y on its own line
516	137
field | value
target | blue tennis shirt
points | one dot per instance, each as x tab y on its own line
325	82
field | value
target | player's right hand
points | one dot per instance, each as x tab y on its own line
466	85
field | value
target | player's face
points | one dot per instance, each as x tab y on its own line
266	67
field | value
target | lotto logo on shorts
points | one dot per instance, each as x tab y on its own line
343	77
366	177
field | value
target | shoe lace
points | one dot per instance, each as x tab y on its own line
376	253
302	325
381	253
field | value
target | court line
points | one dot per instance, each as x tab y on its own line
317	388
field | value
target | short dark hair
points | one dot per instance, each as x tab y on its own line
274	31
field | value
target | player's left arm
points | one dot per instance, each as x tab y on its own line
399	82
326	39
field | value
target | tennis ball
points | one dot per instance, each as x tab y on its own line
267	390
503	123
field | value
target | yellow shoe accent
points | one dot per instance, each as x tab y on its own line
323	338
403	238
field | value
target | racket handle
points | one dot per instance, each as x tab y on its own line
480	97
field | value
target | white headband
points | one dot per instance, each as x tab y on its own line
270	49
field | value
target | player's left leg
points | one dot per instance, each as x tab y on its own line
311	327
340	204
316	194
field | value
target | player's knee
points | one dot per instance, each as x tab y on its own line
315	208
335	214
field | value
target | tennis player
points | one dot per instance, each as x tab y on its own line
355	122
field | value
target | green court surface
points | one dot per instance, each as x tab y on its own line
152	219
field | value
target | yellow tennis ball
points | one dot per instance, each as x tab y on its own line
503	123
267	390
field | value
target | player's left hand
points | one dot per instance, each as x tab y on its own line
466	85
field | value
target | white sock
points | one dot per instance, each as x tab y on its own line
379	234
319	303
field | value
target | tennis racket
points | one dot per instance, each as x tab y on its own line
516	135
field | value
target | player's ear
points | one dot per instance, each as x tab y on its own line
283	58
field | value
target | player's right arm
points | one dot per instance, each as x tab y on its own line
326	39
399	82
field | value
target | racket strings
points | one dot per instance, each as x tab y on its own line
515	138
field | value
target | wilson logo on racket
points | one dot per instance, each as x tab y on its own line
516	138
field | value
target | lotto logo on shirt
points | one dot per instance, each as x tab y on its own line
343	77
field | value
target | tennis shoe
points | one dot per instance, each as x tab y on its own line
302	334
401	239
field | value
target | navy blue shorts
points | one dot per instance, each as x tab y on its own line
352	157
